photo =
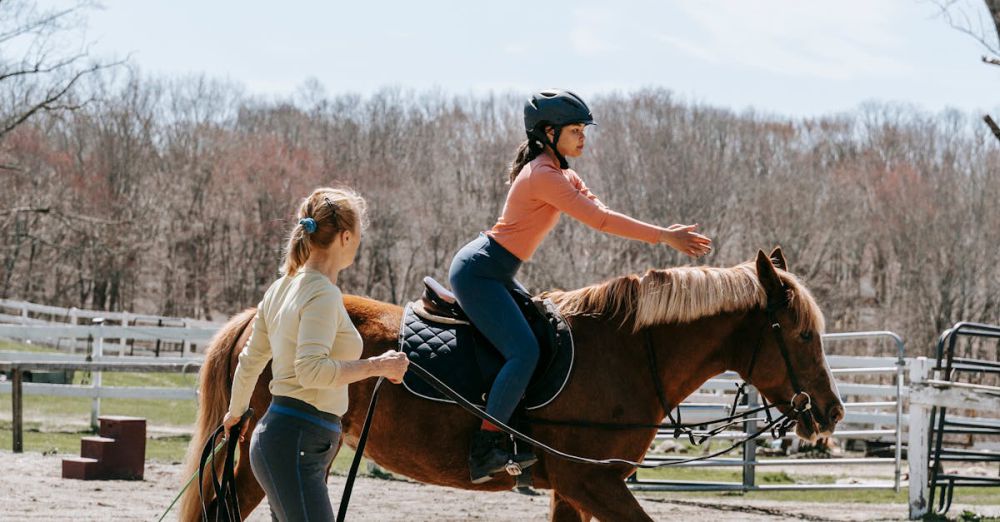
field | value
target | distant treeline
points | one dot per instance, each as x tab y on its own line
174	197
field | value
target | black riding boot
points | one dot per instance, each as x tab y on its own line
488	456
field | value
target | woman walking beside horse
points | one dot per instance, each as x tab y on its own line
303	329
542	186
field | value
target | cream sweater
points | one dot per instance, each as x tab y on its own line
303	326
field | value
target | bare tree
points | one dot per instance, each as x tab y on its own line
984	29
966	17
39	66
175	197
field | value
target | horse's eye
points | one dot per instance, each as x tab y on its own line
806	336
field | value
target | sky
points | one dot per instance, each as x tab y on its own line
783	57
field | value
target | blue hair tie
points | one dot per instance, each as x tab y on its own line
309	224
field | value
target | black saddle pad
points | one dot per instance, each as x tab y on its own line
457	354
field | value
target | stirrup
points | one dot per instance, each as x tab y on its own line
513	468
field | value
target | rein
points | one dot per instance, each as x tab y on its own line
474	410
227	505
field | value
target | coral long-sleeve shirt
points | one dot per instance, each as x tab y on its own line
537	197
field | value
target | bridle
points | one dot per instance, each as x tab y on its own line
800	405
801	402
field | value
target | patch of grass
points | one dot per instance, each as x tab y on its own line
167	449
72	411
969	516
13	346
161	448
714	475
166	380
779	477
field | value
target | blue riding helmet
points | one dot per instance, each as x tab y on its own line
555	108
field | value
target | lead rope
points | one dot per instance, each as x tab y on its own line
188	483
227	505
345	497
473	409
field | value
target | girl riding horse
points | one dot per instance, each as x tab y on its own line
542	186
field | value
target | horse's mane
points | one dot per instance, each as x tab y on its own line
681	295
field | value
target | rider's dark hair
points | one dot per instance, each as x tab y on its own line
528	150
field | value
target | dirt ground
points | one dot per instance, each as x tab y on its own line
31	489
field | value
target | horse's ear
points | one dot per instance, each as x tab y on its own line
778	259
768	276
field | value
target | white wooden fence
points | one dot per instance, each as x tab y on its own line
76	315
80	326
36	324
17	369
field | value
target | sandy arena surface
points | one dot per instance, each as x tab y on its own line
31	489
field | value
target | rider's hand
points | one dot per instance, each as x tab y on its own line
685	240
392	365
229	421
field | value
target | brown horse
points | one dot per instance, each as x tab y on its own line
701	322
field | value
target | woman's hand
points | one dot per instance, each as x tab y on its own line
392	365
685	240
229	421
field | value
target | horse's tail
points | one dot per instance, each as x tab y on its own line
213	397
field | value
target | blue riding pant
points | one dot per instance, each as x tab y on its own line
290	451
482	274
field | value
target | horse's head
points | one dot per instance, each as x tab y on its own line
789	367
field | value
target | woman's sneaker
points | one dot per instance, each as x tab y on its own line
488	456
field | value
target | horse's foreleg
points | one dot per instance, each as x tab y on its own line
601	494
561	510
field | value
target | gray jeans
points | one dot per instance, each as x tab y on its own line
290	451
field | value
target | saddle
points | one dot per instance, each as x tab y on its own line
437	335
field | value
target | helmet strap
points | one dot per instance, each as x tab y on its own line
541	136
562	161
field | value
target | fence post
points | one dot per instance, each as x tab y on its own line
750	446
95	404
24	314
919	442
900	374
122	340
159	322
17	409
186	346
73	320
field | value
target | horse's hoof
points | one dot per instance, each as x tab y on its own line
527	490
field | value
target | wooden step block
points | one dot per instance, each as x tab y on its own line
125	429
81	468
127	458
99	448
